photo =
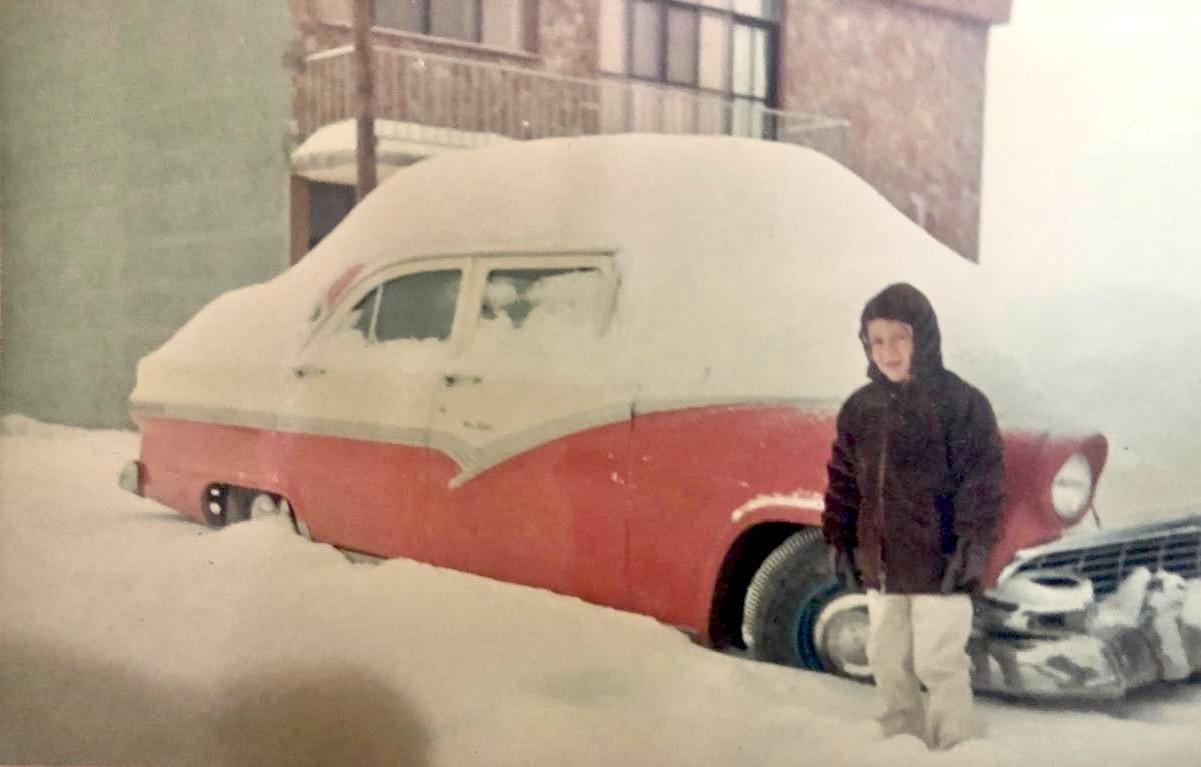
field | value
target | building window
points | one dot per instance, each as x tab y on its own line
727	47
499	23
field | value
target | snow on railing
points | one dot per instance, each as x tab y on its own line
483	102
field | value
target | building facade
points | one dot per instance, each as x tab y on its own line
154	155
894	89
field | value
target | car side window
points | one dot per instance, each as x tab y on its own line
517	297
416	306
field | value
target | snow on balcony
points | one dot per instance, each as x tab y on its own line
427	103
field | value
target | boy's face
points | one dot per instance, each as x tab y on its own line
892	348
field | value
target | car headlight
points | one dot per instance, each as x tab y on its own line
1072	487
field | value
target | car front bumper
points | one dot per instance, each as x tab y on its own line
1094	616
1081	666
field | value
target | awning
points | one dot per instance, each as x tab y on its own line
328	155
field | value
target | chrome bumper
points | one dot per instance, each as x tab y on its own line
1083	666
1058	646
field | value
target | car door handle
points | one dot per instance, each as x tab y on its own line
454	379
308	371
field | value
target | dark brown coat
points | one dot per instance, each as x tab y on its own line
916	468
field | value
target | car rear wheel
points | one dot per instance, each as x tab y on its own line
797	614
263	505
298	524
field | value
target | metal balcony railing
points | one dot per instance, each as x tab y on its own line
461	102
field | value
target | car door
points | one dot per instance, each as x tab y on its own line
537	490
361	401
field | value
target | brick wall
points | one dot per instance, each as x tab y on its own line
911	80
909	75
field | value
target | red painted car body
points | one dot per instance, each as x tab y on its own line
636	515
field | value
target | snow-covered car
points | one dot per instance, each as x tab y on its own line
609	367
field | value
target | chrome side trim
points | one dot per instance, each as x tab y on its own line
667	404
457	448
498	451
472	460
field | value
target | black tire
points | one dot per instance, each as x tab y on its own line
793	599
298	524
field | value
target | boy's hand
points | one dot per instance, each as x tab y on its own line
842	562
965	569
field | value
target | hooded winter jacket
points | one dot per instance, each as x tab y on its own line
916	480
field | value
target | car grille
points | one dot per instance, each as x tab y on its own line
1108	564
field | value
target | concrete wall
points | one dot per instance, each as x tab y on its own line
910	77
143	147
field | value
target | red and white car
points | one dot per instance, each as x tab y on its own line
609	367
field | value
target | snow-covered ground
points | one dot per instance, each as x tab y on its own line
129	635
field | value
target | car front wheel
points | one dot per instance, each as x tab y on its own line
797	614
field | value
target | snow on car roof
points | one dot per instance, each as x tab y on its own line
744	264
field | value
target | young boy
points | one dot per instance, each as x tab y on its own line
916	488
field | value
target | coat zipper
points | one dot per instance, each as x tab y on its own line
880	512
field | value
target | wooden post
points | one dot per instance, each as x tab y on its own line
364	75
300	218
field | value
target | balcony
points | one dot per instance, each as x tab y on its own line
427	103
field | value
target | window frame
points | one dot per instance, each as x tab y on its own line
475	268
603	261
335	320
771	28
527	11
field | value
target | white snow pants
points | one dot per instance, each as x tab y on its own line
921	639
